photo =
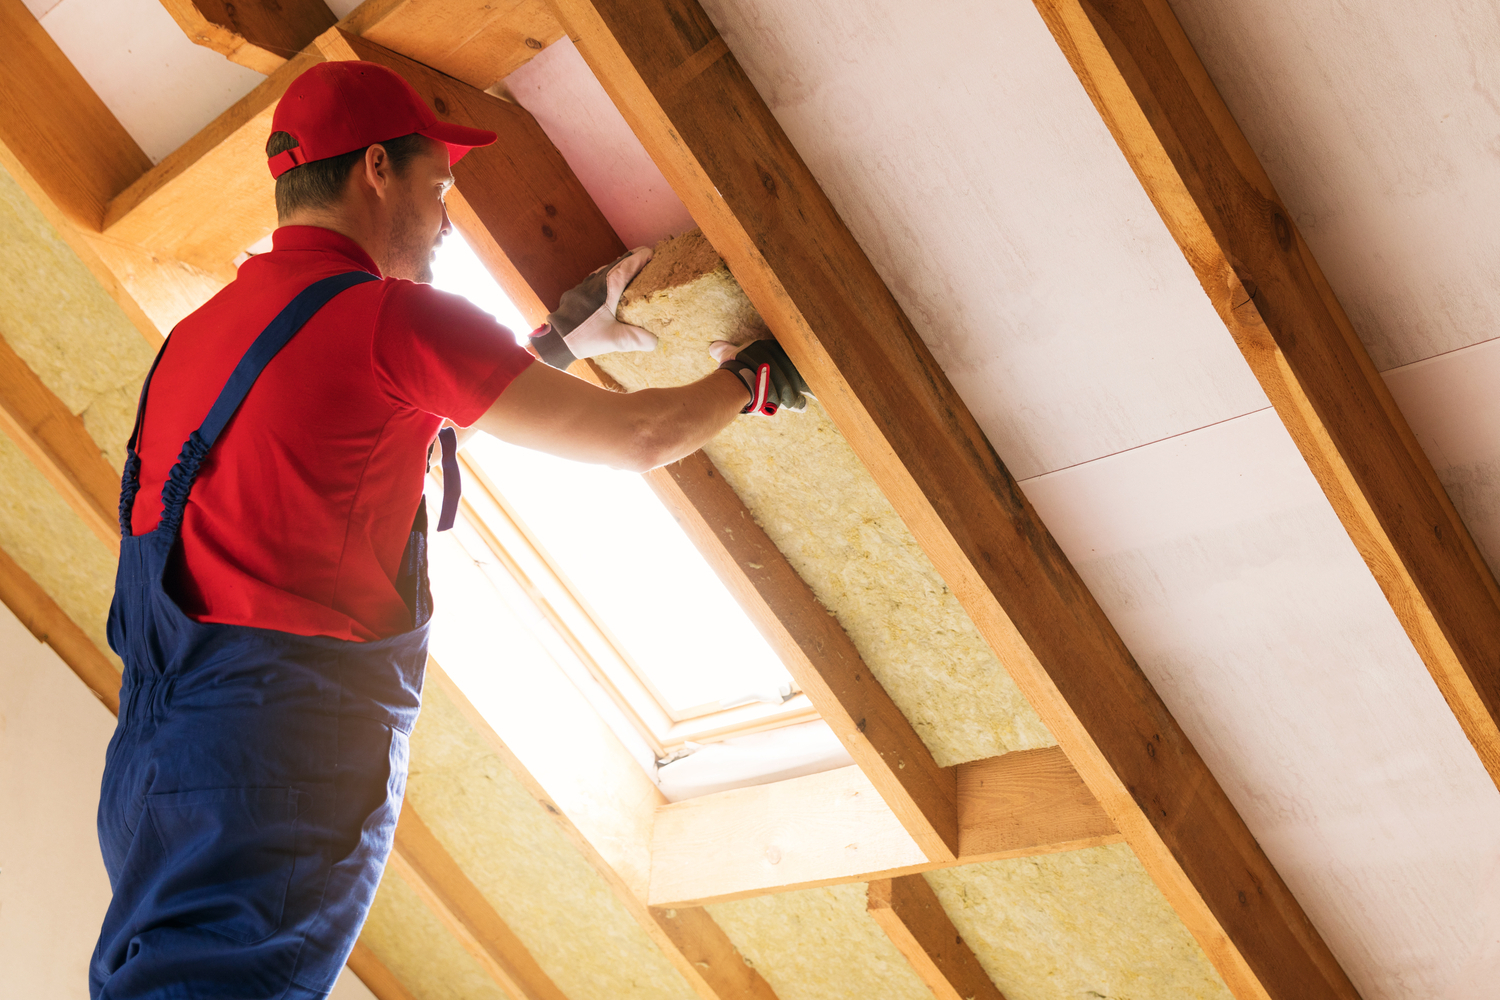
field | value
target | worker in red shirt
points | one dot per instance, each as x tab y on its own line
271	605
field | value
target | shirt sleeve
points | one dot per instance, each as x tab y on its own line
439	353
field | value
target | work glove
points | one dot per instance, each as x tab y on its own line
584	325
773	381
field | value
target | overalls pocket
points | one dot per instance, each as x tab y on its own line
229	854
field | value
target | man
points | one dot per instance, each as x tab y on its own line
271	605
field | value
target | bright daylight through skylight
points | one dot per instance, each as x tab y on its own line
622	550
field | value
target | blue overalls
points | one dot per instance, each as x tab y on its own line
252	785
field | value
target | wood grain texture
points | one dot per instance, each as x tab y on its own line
54	439
520	189
1216	199
258	34
427	867
377	978
834	827
476	41
704	944
726	156
57	127
909	912
50	624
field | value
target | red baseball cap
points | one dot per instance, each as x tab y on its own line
338	107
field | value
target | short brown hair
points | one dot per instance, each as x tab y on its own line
320	183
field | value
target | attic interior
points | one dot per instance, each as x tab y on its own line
1119	622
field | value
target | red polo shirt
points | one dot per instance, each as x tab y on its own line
302	509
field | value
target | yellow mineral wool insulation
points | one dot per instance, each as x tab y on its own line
1087	923
807	489
535	877
411	941
819	944
51	543
57	318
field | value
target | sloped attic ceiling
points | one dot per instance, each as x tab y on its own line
975	173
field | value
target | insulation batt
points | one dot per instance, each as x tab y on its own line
812	495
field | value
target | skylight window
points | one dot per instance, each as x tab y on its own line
603	536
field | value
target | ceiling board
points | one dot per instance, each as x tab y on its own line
1228	575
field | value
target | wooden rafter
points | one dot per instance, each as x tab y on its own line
433	874
1155	95
912	917
377	978
701	119
50	624
833	827
259	34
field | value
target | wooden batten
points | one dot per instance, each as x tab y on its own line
705	945
833	827
1155	95
377	978
50	624
909	912
258	34
701	119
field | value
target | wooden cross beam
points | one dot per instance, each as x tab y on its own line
1153	92
259	34
698	115
912	917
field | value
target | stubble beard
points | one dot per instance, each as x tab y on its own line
411	248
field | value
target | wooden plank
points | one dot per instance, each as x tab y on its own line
50	624
520	189
605	803
259	34
433	874
908	911
717	143
54	439
57	127
213	196
704	944
476	41
833	827
377	978
1155	95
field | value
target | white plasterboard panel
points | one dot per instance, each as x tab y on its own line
162	87
349	987
966	158
53	889
559	89
1377	124
1452	403
1233	583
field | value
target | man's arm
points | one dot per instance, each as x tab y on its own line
548	410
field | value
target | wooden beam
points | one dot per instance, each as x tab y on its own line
50	624
605	803
699	116
58	444
213	196
1155	95
520	189
433	874
834	827
259	34
704	944
909	912
476	41
57	127
371	971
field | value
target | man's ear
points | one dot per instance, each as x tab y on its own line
376	170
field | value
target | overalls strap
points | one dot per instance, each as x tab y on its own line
272	339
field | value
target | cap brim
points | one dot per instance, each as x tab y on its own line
459	138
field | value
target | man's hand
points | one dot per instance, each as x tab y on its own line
763	366
584	325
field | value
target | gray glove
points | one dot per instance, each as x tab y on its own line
773	381
584	324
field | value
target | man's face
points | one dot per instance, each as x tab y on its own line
419	221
